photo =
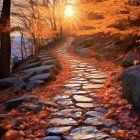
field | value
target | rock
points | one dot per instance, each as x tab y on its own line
47	103
91	70
50	138
85	105
63	121
65	102
24	76
92	86
78	82
92	136
13	103
97	76
86	133
40	69
82	51
115	129
74	113
61	97
129	60
59	130
28	107
33	84
112	139
77	79
81	98
99	81
45	77
16	83
26	65
94	113
81	92
84	130
47	58
72	85
94	121
32	60
52	62
131	85
103	110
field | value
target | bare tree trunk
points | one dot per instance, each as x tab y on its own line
22	53
5	39
24	46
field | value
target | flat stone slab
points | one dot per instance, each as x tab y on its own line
61	97
63	121
98	72
103	110
73	113
97	76
72	85
50	138
92	86
85	105
84	130
94	121
78	71
94	113
90	70
59	130
101	81
87	133
78	82
81	92
91	67
81	98
65	102
92	136
70	90
77	79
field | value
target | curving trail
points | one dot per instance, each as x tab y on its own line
81	117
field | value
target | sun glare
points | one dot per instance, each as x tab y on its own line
69	11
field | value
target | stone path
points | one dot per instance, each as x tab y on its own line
80	118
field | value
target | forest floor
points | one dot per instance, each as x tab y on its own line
89	101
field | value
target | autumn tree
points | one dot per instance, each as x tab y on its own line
5	43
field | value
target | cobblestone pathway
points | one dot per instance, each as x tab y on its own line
80	118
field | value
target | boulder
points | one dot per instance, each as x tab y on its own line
40	69
16	83
46	77
26	65
33	84
47	58
28	107
44	55
52	62
131	85
130	60
13	103
33	60
82	51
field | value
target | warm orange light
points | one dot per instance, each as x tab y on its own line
69	11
